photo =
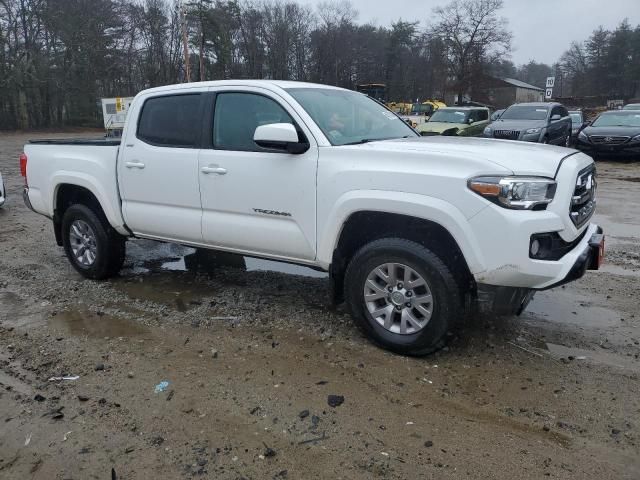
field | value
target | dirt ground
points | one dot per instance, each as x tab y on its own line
251	355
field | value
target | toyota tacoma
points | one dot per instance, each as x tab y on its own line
414	231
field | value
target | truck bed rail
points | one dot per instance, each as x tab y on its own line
97	142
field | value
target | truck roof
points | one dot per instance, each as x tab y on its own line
268	84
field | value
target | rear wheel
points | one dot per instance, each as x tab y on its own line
402	296
92	246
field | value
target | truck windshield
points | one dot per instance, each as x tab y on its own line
347	117
450	116
520	112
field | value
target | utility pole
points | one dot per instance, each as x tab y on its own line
185	44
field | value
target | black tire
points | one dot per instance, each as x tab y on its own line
110	245
444	289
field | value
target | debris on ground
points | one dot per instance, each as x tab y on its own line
161	387
57	379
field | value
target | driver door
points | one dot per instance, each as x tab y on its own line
256	200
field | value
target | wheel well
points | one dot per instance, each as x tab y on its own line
364	227
67	195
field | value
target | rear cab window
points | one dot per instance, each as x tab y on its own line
171	121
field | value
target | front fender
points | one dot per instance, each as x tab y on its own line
411	204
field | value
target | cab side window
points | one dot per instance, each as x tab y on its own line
237	115
482	115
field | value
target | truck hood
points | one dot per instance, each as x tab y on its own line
521	158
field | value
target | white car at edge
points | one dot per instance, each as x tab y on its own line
3	192
412	230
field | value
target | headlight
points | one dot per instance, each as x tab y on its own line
518	193
533	130
487	131
583	136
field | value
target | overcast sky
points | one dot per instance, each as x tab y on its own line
542	29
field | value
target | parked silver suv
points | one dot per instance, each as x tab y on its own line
533	122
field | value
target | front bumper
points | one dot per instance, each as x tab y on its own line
524	137
502	300
590	258
530	137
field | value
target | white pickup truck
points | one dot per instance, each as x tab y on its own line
413	231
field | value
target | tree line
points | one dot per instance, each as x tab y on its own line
59	57
606	64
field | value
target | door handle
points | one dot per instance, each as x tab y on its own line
214	169
139	165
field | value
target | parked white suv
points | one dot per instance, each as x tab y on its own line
412	230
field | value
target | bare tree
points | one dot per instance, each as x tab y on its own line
470	30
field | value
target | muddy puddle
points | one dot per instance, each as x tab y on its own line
592	356
560	306
92	324
148	256
634	271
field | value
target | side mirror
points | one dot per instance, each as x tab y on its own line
555	118
279	136
470	121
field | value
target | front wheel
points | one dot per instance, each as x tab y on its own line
402	296
92	246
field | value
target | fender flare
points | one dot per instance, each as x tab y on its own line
407	204
111	208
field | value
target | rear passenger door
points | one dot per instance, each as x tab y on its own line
158	168
256	200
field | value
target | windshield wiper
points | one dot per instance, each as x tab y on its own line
361	141
367	140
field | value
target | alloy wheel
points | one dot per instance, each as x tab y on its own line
82	239
398	298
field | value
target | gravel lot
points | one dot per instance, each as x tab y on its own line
251	357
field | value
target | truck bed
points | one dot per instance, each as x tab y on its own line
96	142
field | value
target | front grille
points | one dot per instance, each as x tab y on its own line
506	134
608	140
583	201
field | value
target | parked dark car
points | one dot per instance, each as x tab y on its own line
578	123
632	106
533	122
612	133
